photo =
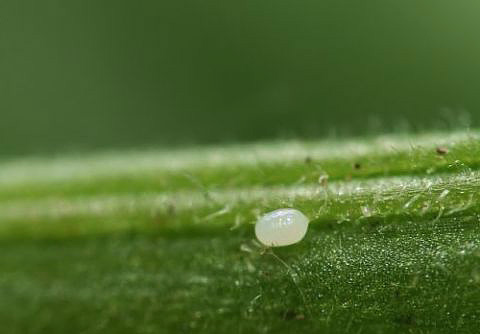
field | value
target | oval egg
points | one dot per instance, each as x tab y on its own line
281	227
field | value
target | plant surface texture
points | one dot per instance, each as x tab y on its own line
162	241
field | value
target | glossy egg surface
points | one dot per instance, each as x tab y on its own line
281	227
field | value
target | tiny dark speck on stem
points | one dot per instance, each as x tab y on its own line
441	150
291	315
357	166
171	210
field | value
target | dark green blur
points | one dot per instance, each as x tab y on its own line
89	74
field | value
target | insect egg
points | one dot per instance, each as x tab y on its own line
281	227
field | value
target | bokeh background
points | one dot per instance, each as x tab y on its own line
100	74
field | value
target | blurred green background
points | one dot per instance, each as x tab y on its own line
90	74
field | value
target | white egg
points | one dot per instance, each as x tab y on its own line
281	227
